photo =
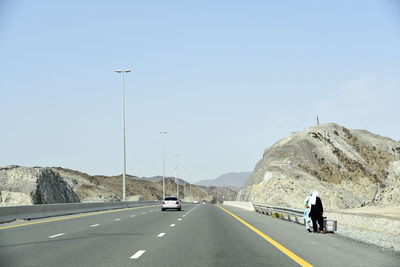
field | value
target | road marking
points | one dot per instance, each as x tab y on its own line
179	219
184	215
117	219
133	215
73	217
143	212
172	225
138	254
161	234
270	240
52	236
94	225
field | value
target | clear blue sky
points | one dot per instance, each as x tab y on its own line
226	79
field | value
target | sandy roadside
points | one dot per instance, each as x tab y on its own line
375	225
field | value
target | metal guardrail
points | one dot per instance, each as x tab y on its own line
293	215
288	214
11	213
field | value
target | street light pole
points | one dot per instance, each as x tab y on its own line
176	176
163	133
123	130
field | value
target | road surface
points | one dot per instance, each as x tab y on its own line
199	235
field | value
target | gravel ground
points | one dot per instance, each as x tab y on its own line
373	225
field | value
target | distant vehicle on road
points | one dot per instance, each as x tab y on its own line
204	202
195	202
171	203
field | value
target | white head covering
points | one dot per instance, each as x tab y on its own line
313	198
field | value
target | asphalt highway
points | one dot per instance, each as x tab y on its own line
199	235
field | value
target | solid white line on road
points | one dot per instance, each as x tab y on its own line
52	236
138	254
172	225
117	219
161	234
133	215
179	219
94	225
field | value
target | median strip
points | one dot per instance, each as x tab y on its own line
286	251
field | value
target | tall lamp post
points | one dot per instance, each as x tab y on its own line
163	133
123	130
176	176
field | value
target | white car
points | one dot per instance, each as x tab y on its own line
171	203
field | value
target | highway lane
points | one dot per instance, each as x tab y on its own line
200	235
318	249
83	243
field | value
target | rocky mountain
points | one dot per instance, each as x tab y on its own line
349	168
37	185
233	180
220	194
159	178
24	186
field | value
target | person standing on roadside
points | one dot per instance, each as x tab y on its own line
316	213
306	215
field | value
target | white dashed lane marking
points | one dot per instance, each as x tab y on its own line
143	212
94	225
53	236
138	254
179	219
117	219
133	215
161	234
172	225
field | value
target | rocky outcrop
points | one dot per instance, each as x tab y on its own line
26	186
350	168
22	186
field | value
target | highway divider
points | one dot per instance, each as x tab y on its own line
12	213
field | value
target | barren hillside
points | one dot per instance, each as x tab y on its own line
37	185
350	169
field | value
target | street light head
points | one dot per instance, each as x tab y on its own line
120	71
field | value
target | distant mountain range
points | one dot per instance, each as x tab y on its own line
50	185
159	178
233	180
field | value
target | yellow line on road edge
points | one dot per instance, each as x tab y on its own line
73	217
270	240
